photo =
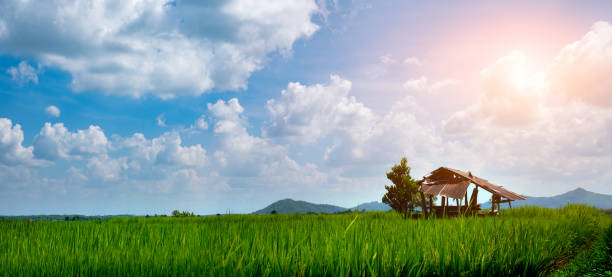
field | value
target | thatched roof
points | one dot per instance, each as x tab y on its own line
453	183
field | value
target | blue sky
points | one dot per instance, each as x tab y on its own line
149	106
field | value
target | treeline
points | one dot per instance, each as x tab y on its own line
71	217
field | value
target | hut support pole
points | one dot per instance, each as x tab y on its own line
458	200
424	205
443	205
431	207
510	204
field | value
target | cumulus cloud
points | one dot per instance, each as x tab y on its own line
512	96
106	168
258	159
359	136
57	142
53	111
166	149
201	123
582	69
517	128
423	84
393	134
23	73
238	146
310	112
12	151
157	47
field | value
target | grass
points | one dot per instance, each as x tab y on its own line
525	241
595	261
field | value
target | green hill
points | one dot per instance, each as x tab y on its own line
289	206
372	206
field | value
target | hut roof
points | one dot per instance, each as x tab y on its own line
453	183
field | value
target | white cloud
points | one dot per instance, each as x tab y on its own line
390	136
387	59
201	123
75	175
359	136
582	69
53	111
166	149
23	73
257	159
161	120
525	135
156	47
512	96
3	29
56	142
106	168
310	112
12	151
413	61
423	84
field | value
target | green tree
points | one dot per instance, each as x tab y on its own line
176	213
402	195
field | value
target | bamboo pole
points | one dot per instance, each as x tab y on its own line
431	207
424	203
443	205
458	200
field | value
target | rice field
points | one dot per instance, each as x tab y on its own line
525	241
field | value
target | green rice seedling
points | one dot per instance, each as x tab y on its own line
524	241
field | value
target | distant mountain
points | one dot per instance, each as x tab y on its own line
372	206
577	196
289	206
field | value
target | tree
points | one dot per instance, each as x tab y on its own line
176	213
402	195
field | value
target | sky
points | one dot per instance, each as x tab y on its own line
143	107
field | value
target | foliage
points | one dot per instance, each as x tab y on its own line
525	241
176	213
402	195
596	261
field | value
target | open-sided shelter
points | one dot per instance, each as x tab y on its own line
452	183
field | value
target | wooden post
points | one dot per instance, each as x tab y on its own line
424	205
431	206
443	205
510	204
474	199
458	200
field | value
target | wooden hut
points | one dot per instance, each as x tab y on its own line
449	183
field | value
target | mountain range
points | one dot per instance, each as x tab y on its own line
289	206
577	196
